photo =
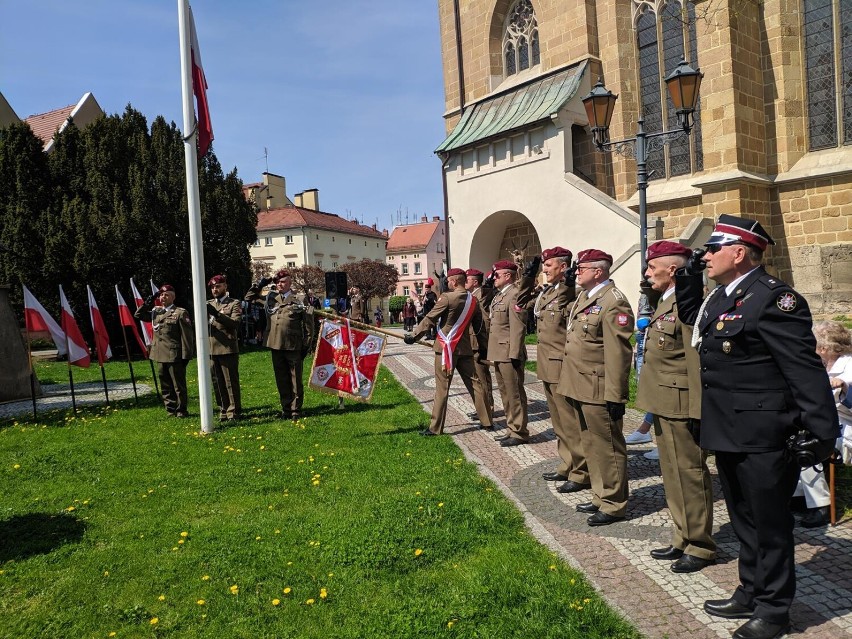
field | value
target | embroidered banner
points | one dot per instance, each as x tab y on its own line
346	360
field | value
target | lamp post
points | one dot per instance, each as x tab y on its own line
682	84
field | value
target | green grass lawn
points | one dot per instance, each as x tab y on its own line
342	525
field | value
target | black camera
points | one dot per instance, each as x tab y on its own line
807	450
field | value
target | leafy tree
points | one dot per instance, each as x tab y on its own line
308	277
374	277
260	269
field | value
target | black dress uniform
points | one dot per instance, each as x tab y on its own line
761	382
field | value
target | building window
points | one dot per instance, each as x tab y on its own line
288	239
675	29
520	39
406	290
405	269
827	31
417	256
334	265
268	241
417	269
291	265
256	242
319	263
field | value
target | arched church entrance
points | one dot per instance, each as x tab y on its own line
498	235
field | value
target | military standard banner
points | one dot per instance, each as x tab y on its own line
346	360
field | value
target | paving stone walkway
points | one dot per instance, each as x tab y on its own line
86	394
660	603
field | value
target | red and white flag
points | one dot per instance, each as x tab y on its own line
199	88
99	328
125	318
39	320
156	291
347	360
147	328
78	350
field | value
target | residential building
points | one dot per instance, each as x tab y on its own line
417	251
771	139
46	125
299	234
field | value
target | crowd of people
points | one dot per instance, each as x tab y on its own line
741	372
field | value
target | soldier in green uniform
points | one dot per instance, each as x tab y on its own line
482	295
172	347
670	389
595	380
224	316
289	334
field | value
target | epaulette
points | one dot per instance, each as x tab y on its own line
771	282
617	294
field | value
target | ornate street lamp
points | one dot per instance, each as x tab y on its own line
683	84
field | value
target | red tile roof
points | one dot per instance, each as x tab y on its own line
294	217
44	125
412	236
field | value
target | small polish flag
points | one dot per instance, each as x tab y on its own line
99	328
78	350
147	329
39	320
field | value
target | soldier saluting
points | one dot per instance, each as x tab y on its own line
225	314
172	347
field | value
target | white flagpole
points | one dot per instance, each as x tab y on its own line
199	291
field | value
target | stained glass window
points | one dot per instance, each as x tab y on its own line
520	39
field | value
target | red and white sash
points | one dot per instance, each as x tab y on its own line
450	339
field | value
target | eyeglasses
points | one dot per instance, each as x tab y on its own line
715	248
587	268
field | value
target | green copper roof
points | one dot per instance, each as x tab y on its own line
515	108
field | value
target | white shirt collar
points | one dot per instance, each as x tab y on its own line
730	288
597	288
669	293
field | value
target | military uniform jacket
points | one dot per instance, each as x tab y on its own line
598	354
508	325
479	333
290	325
446	312
549	309
173	335
670	383
761	377
358	310
224	328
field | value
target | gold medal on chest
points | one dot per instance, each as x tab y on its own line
726	347
661	342
720	326
585	328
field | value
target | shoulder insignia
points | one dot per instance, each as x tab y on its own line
622	319
771	282
617	294
787	302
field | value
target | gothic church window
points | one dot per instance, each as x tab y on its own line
520	39
827	34
665	34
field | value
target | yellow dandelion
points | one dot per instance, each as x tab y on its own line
184	534
323	593
257	538
287	590
275	602
264	448
418	552
235	589
451	623
310	602
201	602
277	532
70	508
112	634
440	504
573	582
154	621
316	482
161	598
331	574
16	466
205	578
552	566
180	541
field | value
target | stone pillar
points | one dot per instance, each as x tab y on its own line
14	368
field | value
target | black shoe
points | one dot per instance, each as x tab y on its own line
667	554
758	628
294	416
728	608
588	507
181	414
602	519
500	437
815	517
691	563
553	477
571	486
428	433
284	415
511	441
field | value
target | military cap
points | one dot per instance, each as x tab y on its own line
593	255
505	265
475	272
166	287
731	229
666	247
280	275
556	251
217	279
455	271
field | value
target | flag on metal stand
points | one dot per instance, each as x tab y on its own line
126	320
194	81
38	320
102	348
75	345
147	330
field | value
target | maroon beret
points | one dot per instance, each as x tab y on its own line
475	272
455	271
593	255
167	287
505	265
430	282
666	247
217	279
556	251
280	275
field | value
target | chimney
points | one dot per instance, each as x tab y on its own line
436	218
310	199
297	199
385	232
274	192
374	226
424	218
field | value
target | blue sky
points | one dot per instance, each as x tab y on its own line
346	96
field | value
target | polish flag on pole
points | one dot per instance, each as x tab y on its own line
156	291
99	328
78	350
39	320
199	88
126	318
147	329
